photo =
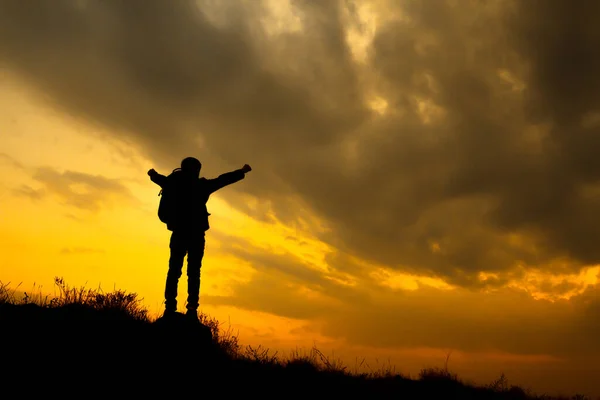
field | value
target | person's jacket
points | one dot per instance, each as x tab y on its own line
191	213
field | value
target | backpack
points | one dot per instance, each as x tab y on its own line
169	197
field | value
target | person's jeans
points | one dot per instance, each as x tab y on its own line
191	244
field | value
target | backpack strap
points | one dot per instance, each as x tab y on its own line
172	172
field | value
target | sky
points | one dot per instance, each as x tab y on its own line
425	174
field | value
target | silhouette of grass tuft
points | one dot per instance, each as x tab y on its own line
86	339
117	301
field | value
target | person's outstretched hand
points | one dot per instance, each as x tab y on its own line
151	172
246	168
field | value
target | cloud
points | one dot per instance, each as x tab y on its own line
269	294
79	190
80	250
480	154
28	191
10	161
373	314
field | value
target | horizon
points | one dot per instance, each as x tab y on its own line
424	178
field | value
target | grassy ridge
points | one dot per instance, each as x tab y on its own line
84	343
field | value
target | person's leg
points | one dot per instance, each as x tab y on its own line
195	255
178	248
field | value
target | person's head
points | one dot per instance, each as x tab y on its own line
191	166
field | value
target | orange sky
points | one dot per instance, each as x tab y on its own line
298	254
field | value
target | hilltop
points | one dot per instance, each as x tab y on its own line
86	343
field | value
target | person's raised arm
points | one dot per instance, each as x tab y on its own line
228	178
157	178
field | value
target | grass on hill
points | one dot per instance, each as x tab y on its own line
84	342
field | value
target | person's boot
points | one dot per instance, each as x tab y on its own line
170	306
192	315
169	313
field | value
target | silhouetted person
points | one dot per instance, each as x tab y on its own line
189	224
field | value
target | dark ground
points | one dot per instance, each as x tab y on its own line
94	349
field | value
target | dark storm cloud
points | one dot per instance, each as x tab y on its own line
508	173
559	40
83	191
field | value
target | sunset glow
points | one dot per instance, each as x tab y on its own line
424	181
